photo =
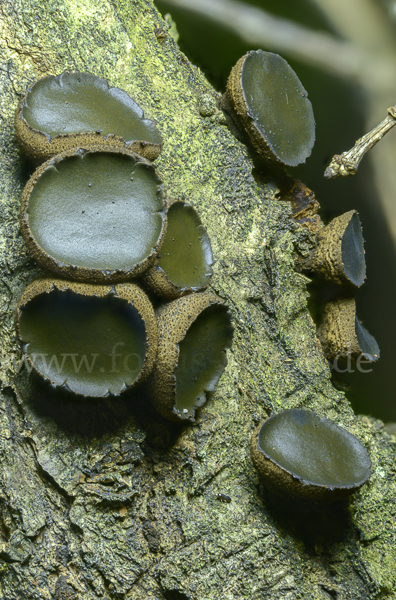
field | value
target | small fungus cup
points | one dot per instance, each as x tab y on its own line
78	109
339	254
194	333
89	339
300	454
94	214
273	107
341	333
185	261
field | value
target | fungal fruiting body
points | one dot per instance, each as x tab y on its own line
339	254
273	107
299	453
94	214
93	340
76	109
341	333
194	333
184	265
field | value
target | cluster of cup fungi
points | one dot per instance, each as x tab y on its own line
94	214
295	451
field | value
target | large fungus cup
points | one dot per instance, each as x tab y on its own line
339	255
184	265
299	453
194	333
92	340
341	333
94	214
272	105
76	109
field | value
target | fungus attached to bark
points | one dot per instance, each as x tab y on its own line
194	333
93	340
273	107
339	254
94	214
341	333
73	109
186	255
299	453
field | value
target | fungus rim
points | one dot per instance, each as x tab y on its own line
282	479
241	110
339	316
163	379
81	273
39	146
129	292
157	278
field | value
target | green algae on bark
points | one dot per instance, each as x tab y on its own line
74	109
85	492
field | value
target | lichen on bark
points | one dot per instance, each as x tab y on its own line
105	500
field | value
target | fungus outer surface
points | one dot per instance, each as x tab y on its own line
279	105
93	345
194	333
202	358
95	211
353	251
82	102
368	344
314	449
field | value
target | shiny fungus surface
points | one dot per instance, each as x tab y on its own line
92	340
94	214
73	108
299	452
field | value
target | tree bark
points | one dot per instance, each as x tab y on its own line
104	500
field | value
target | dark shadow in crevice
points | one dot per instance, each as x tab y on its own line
95	417
313	523
175	595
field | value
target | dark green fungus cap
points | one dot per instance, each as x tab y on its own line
339	254
299	453
94	214
273	107
93	340
194	333
76	109
341	333
185	262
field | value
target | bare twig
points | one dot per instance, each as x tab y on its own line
260	28
348	162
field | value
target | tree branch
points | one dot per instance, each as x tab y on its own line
348	162
259	27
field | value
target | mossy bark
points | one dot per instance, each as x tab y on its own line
104	500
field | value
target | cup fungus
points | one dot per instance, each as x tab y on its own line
95	214
92	340
272	106
341	333
76	109
299	453
339	254
186	255
194	333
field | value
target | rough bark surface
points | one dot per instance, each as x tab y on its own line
103	500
